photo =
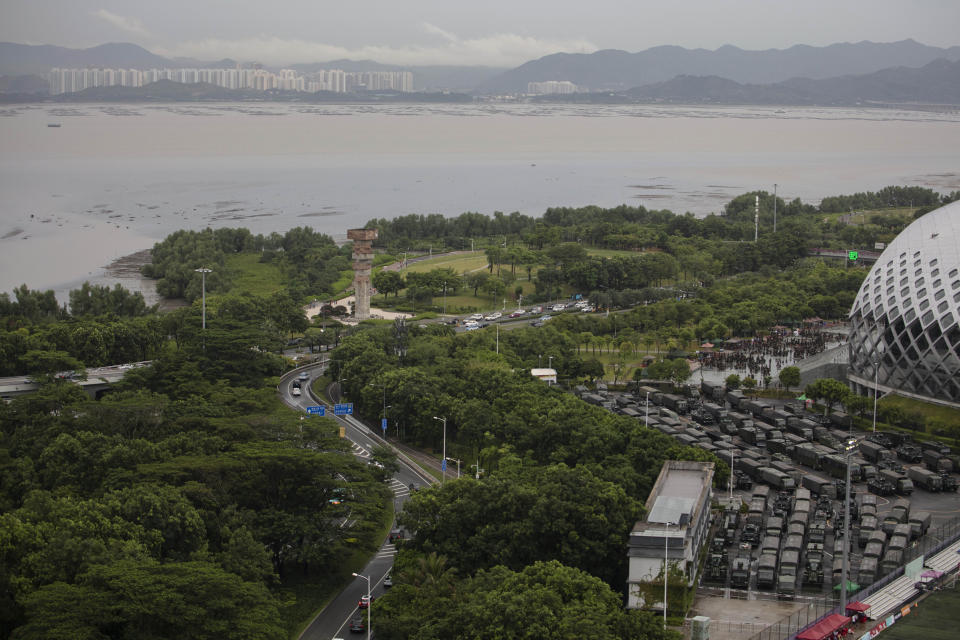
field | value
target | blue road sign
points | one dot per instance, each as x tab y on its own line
344	409
383	424
443	465
317	411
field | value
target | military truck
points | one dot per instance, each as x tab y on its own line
717	567
926	479
740	572
767	571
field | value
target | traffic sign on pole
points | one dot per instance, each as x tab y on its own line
443	465
344	409
383	425
318	410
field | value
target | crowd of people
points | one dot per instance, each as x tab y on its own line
762	356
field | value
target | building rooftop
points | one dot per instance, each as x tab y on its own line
677	497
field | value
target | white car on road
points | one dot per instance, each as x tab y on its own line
494	316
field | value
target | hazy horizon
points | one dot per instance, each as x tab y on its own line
435	32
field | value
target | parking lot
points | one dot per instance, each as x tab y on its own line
806	564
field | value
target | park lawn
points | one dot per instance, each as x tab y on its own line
613	253
460	263
936	413
249	275
934	619
863	217
463	302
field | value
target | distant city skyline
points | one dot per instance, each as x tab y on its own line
438	32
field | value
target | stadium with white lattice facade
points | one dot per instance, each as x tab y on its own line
905	321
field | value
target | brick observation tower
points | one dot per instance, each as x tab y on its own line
362	263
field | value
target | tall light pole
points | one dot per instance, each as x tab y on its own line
848	451
203	271
369	601
646	411
443	467
876	372
732	457
444	298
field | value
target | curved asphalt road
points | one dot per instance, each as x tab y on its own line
333	620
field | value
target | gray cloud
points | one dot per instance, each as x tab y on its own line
124	23
498	50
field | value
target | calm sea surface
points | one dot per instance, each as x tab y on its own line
114	179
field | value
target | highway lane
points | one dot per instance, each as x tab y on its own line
333	620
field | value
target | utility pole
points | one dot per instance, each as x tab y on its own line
756	217
443	467
203	271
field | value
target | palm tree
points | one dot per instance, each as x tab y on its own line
429	571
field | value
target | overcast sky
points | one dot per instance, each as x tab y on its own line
471	32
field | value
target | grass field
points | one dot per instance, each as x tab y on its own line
252	276
460	263
935	619
612	253
863	217
944	415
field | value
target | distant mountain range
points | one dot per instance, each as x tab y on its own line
935	83
839	74
25	59
614	70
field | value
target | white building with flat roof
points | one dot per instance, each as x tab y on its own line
547	375
675	528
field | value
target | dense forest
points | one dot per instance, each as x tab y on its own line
177	505
188	501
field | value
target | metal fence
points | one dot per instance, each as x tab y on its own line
815	609
936	539
742	629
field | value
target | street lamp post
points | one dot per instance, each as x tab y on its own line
443	467
732	457
646	411
203	271
876	373
458	465
849	450
369	602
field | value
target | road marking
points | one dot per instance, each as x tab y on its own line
359	451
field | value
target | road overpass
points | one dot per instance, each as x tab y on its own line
97	381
